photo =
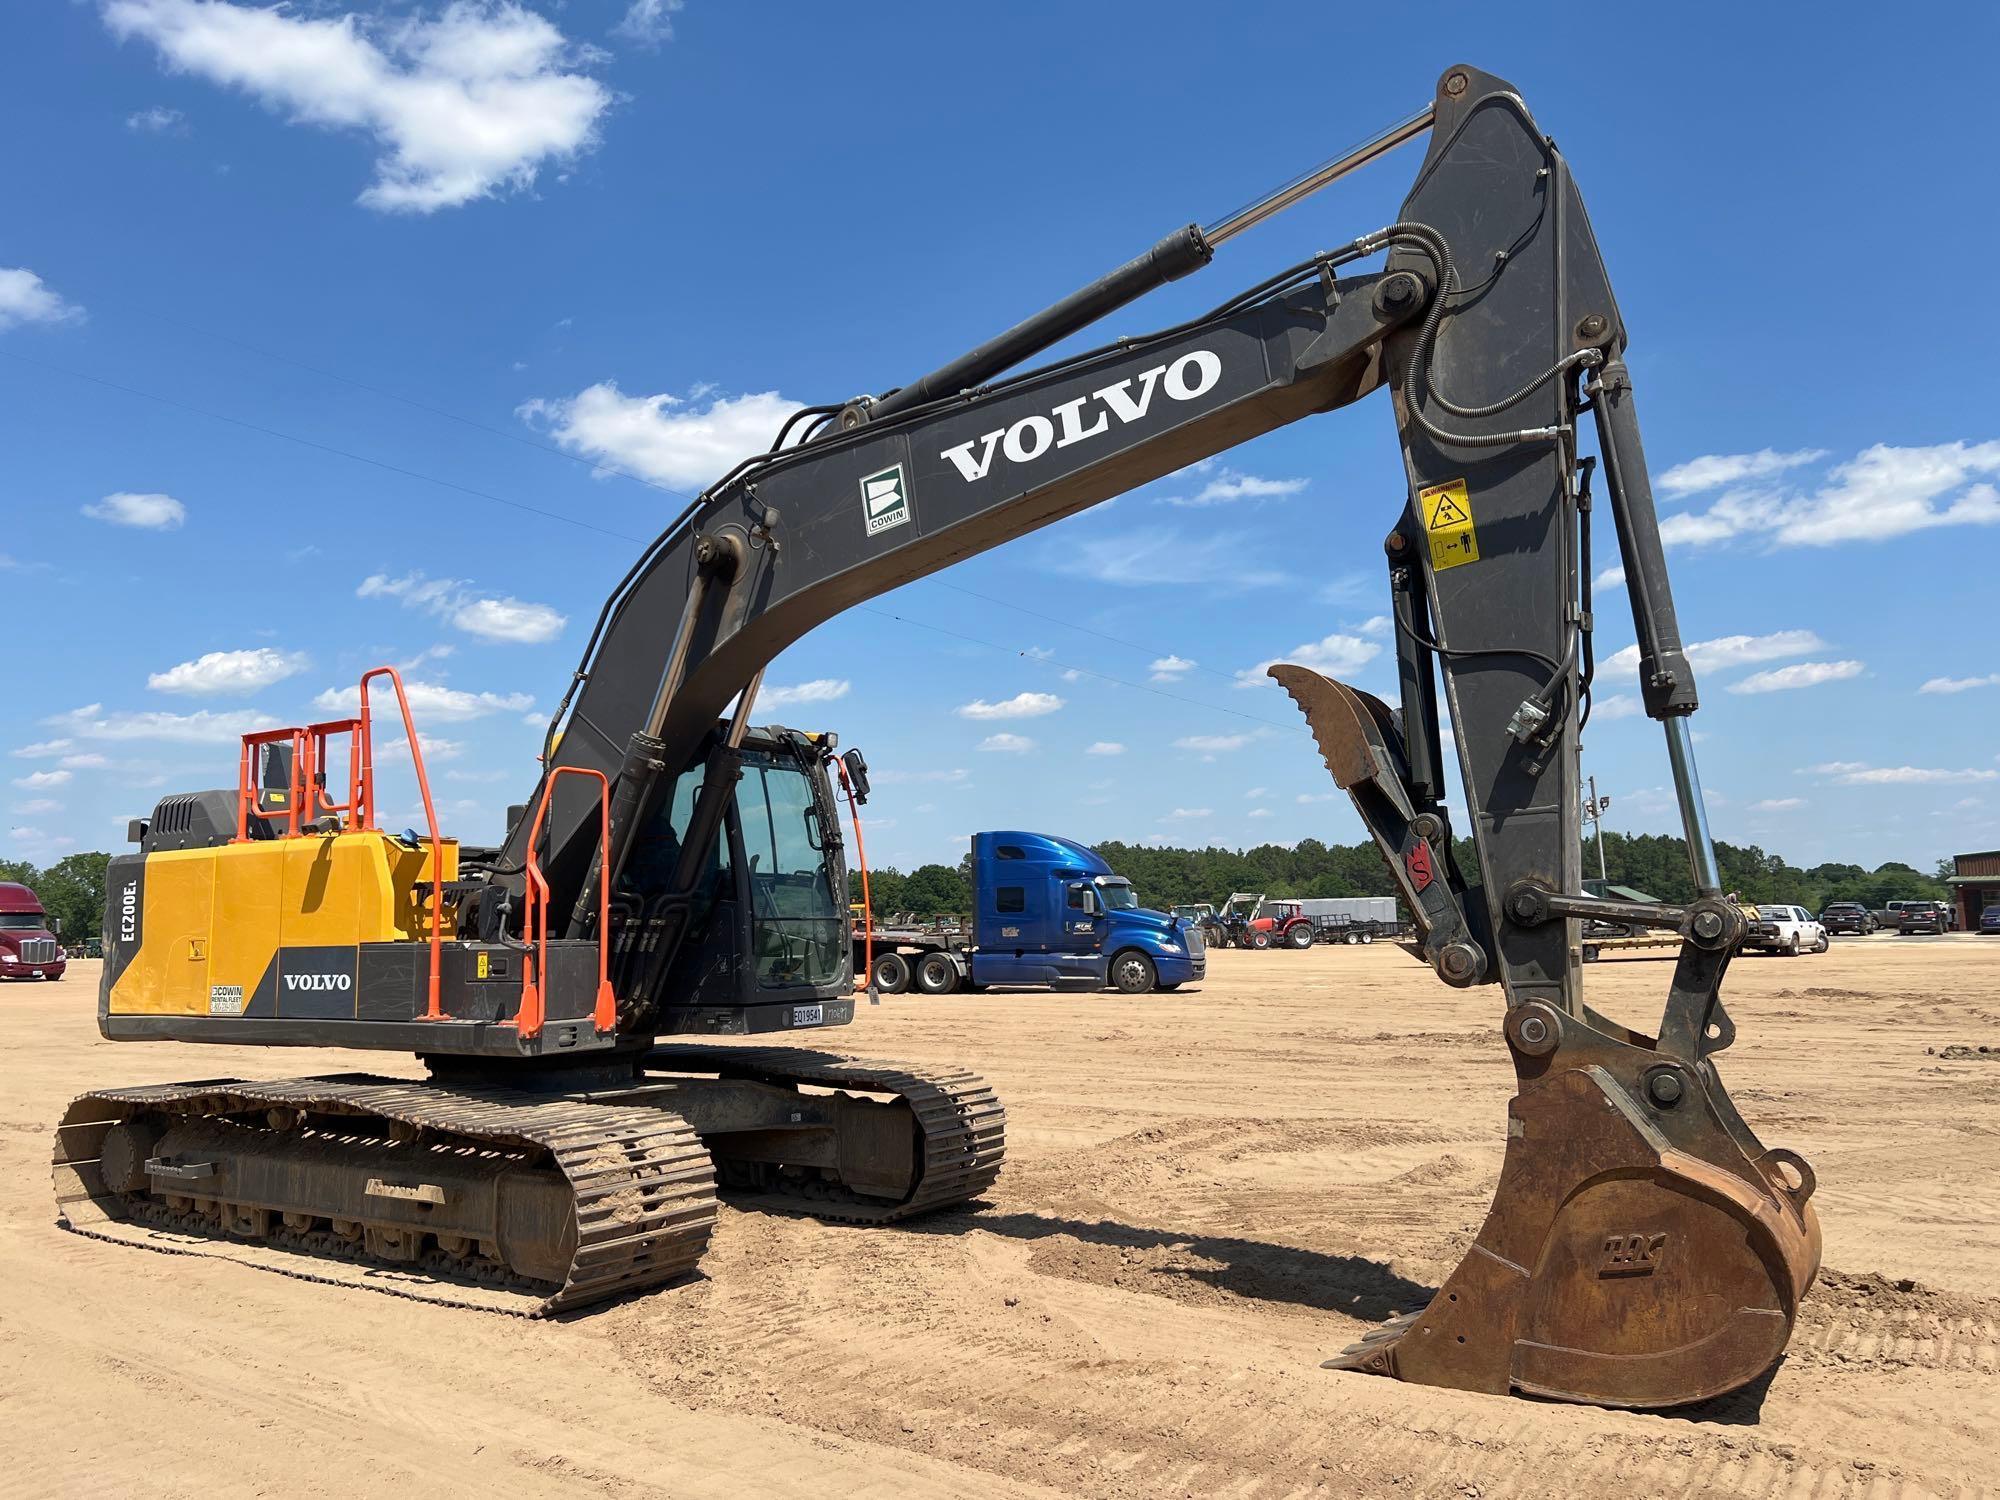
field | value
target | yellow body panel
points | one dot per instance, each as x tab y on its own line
213	920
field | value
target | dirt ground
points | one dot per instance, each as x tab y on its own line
1206	1194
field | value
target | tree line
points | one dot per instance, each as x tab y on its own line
1654	863
73	887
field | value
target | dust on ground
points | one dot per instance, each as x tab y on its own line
1207	1193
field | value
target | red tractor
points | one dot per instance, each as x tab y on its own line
1262	923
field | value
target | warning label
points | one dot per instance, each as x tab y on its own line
1447	513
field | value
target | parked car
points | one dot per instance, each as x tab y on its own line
1923	916
1790	930
1848	916
1989	920
1943	910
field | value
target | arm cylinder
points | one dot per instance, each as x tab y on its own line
1179	254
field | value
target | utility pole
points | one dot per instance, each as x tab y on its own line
1593	809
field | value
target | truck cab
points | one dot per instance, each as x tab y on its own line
1049	909
28	946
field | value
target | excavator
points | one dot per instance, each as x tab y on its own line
585	994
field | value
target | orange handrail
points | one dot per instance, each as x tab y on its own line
865	980
247	790
535	923
364	788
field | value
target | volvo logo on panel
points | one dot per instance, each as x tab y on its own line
1185	379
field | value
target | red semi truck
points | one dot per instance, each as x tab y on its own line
28	946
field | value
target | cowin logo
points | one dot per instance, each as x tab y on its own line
1191	376
319	981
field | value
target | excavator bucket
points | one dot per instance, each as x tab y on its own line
1643	1248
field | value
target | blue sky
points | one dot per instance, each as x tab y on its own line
319	327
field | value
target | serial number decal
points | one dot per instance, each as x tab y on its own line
225	999
808	1015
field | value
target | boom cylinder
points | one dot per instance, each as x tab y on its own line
1181	253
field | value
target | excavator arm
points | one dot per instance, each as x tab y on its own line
1644	1248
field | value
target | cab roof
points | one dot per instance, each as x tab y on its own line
17	897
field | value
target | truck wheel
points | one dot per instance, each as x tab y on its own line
1364	936
1590	951
1301	936
1133	973
937	974
1349	938
892	973
1260	940
1792	947
1823	944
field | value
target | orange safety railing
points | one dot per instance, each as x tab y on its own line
865	980
362	781
250	794
535	924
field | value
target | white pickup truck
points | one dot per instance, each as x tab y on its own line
1790	930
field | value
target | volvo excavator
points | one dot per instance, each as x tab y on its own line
677	873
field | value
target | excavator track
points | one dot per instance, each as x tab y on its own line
962	1125
483	1198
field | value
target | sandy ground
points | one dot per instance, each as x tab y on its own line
1206	1194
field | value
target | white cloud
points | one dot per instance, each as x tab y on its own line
435	748
1331	656
1259	812
1882	492
1188	814
1935	685
896	775
157	121
37	805
1859	773
92	722
1725	652
510	619
89	760
43	749
1213	744
468	104
1611	577
648	22
1376	625
1007	744
36	781
452	600
1020	706
1255	792
819	690
26	298
146	512
1305	799
1713	470
670	440
229	672
1161	555
1617	706
1229	486
1105	747
1171	668
1777	804
429	700
1799	675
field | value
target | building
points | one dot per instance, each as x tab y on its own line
1975	881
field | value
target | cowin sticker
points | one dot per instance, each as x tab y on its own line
885	500
225	999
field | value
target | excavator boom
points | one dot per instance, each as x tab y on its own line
1644	1247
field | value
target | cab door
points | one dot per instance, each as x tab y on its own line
1084	925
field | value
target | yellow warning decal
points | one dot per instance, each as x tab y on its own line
483	966
1447	513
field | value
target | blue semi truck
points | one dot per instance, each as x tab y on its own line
1046	910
